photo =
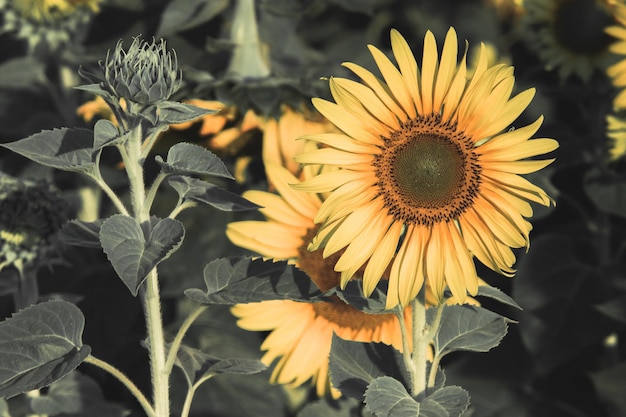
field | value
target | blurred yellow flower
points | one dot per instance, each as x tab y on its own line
616	131
569	35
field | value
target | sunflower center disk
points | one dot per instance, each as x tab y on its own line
579	26
429	171
322	271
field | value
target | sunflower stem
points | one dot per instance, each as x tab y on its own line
406	350
133	162
420	343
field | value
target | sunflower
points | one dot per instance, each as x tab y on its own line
617	72
569	35
428	172
616	131
54	22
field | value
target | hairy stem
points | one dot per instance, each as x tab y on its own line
119	375
406	351
420	343
133	161
171	356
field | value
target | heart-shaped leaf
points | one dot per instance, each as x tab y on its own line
387	397
40	345
65	149
194	189
354	365
465	327
133	252
189	159
106	133
241	279
449	401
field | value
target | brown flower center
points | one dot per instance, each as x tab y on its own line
427	172
579	26
321	270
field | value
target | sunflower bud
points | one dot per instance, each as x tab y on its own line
146	74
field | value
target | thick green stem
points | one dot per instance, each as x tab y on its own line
133	162
119	375
420	343
156	343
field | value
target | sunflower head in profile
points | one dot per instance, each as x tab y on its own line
54	23
569	35
428	172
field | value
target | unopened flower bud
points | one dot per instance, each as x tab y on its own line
147	73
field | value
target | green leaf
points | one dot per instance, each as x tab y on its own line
194	189
496	294
106	134
171	112
465	327
608	192
453	400
198	366
180	15
353	295
74	394
387	397
40	345
134	251
354	365
189	159
80	233
65	149
239	279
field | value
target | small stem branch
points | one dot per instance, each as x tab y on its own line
188	399
112	196
171	356
181	207
152	192
119	375
432	377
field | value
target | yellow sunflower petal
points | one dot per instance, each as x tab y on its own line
394	80
381	89
408	67
447	68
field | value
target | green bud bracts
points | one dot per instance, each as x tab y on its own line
146	74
